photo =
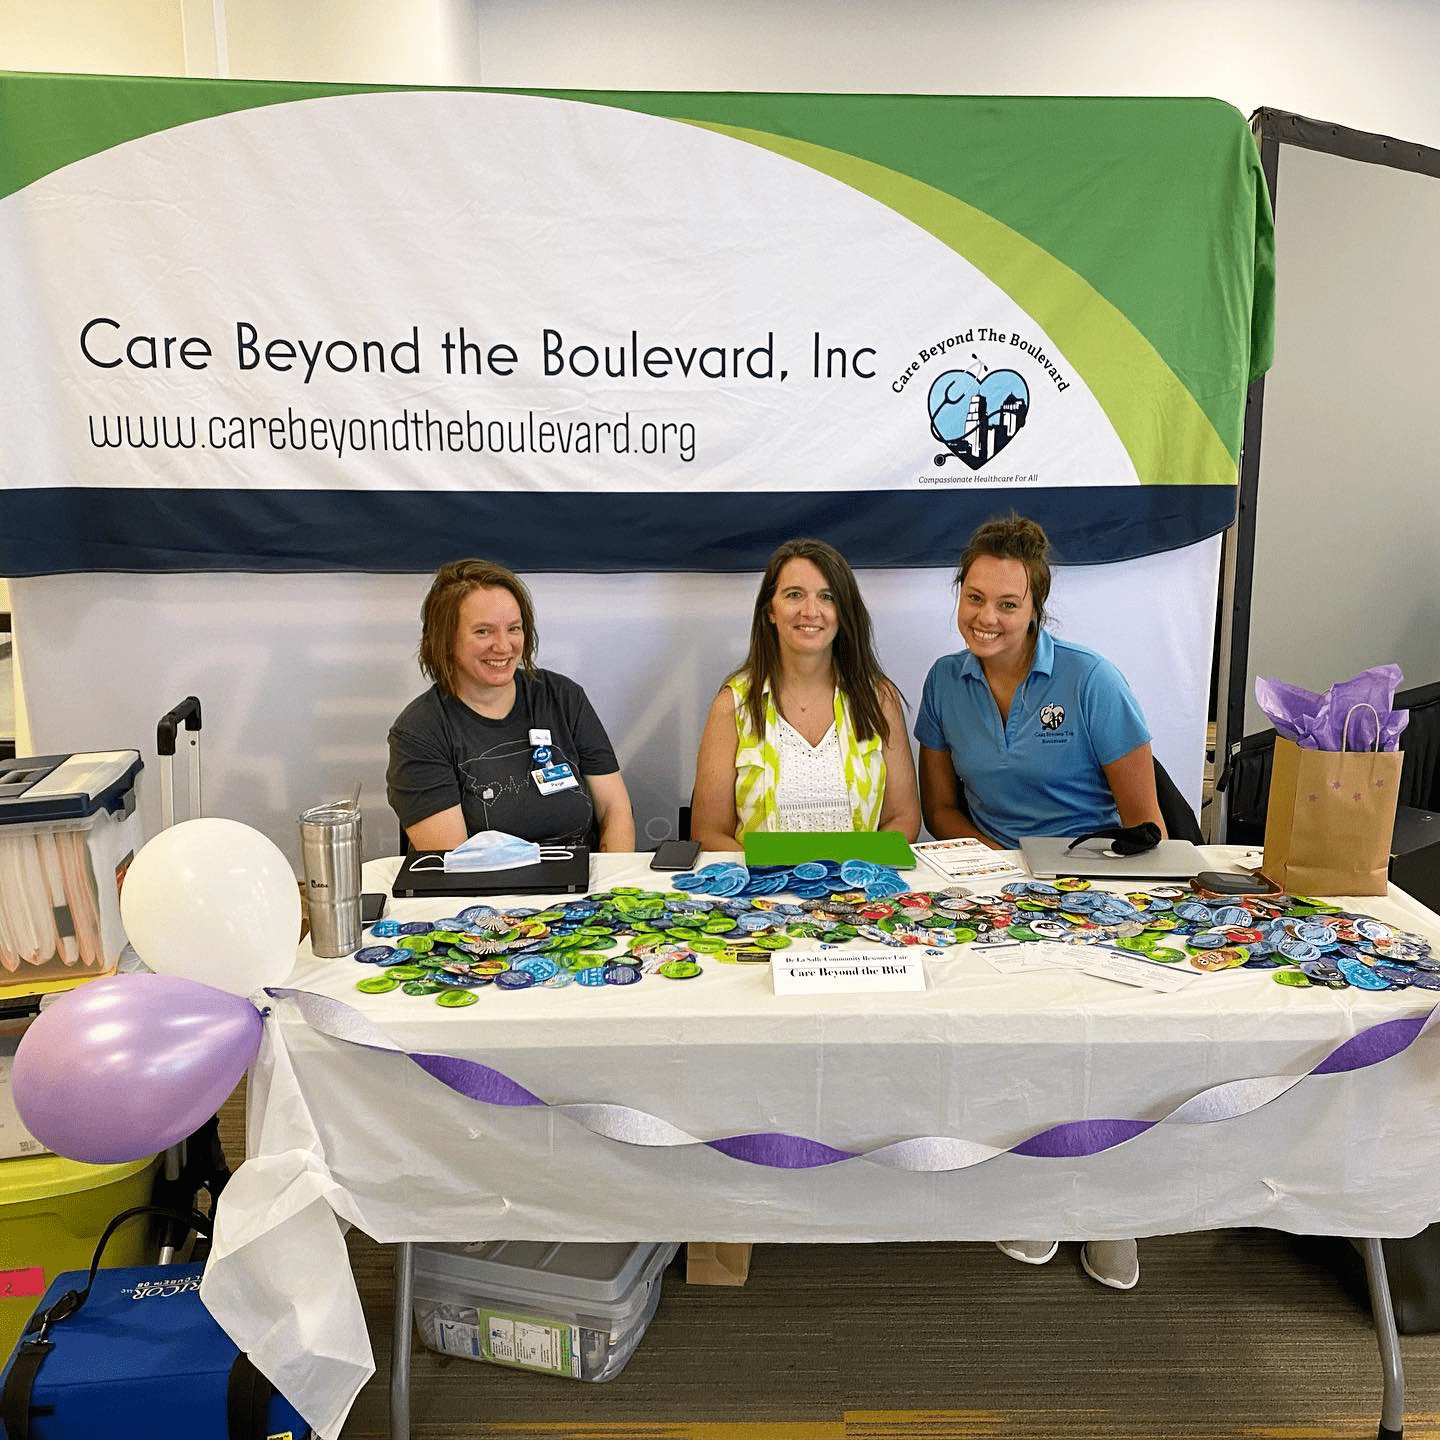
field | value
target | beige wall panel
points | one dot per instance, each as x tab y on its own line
103	37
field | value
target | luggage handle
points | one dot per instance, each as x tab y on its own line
186	713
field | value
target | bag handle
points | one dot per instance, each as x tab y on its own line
35	1343
68	1303
1345	733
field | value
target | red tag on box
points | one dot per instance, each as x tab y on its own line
15	1283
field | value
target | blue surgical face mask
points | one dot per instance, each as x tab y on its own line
492	850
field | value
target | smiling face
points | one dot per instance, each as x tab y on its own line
996	611
489	641
803	610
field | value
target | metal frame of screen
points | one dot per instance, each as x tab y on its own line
1274	128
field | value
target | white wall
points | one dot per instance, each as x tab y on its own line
1364	63
103	656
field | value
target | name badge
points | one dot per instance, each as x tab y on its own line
550	779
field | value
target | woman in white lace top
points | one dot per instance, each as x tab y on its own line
808	733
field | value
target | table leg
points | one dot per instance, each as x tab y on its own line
1392	1402
400	1342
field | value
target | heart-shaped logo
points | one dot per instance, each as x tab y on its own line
976	418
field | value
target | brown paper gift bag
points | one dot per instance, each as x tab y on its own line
711	1263
1331	819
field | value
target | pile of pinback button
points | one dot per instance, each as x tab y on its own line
810	880
728	913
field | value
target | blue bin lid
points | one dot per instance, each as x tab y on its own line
67	787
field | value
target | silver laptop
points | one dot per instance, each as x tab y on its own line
1047	856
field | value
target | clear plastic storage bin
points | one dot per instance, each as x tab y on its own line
68	831
563	1309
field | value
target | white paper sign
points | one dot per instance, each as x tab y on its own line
973	860
833	972
1097	960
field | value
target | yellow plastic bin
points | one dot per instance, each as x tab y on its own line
52	1212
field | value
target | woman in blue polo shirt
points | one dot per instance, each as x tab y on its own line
1043	734
1024	734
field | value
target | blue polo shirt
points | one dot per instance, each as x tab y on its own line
1039	774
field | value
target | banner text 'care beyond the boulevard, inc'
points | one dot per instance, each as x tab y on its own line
294	327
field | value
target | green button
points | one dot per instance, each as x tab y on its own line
771	942
453	999
378	984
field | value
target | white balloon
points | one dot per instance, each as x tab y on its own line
215	901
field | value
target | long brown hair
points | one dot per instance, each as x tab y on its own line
440	615
1013	537
857	668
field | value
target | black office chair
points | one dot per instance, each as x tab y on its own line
1180	820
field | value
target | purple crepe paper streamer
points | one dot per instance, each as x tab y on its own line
1071	1140
1081	1137
1372	1046
780	1151
478	1082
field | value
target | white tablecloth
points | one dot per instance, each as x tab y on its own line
339	1130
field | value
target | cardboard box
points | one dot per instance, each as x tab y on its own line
15	1139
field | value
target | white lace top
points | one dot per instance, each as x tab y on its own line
811	794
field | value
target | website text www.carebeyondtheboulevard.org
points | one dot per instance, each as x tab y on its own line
409	432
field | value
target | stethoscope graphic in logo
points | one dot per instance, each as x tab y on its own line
976	413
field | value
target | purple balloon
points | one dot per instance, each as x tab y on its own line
124	1067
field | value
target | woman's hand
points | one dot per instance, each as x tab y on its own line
714	820
940	800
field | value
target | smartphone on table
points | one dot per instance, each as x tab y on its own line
675	855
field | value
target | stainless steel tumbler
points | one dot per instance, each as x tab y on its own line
331	850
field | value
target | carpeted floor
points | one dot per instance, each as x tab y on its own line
1230	1335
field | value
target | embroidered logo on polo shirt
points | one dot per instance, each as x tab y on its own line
1052	717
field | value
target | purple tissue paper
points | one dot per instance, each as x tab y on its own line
1319	722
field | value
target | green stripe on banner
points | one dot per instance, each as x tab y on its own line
1169	438
50	121
1186	217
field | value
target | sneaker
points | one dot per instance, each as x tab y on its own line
1029	1252
1115	1263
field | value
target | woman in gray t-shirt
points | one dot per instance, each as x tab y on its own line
497	743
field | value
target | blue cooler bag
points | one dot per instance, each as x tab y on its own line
115	1354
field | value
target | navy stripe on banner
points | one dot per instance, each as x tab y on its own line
64	530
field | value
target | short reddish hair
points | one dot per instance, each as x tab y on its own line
440	615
